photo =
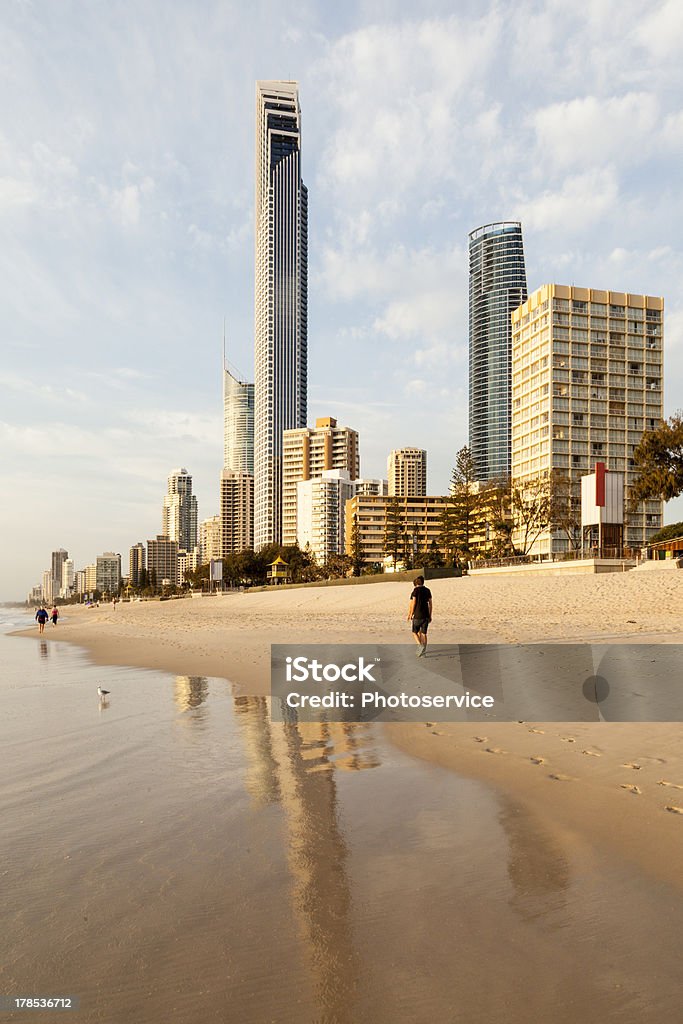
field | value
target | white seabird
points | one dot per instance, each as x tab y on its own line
101	692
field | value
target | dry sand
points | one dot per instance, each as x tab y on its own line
619	784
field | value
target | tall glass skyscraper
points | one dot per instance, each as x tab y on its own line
281	296
179	514
238	424
497	286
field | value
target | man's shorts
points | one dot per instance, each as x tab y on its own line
420	625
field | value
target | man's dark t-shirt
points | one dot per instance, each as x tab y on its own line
422	597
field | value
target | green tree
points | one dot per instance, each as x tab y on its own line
356	546
659	462
393	530
432	557
498	517
447	532
667	533
467	501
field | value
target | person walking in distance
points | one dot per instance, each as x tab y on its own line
420	612
54	615
41	618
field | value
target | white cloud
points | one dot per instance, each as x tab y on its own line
588	131
579	204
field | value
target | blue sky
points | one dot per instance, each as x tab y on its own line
126	205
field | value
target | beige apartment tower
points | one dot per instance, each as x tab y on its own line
587	371
307	453
237	502
407	472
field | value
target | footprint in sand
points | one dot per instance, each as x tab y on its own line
537	760
429	725
495	750
631	764
435	732
631	788
675	810
480	739
558	777
541	731
568	739
591	753
673	785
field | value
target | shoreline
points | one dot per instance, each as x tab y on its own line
618	785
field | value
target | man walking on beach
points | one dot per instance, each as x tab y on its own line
420	611
41	619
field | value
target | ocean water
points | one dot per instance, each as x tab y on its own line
170	854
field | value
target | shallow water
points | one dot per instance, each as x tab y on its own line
172	855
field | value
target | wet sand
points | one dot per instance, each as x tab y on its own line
173	855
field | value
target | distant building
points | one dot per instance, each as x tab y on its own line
210	539
587	382
90	572
58	559
80	582
108	573
188	561
281	296
162	560
68	578
236	504
497	286
307	453
238	424
136	564
179	517
321	510
407	472
420	517
47	586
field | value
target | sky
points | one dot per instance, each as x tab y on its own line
126	219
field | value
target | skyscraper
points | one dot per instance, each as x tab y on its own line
497	286
281	296
238	424
179	516
58	559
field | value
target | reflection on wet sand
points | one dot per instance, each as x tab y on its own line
536	865
295	765
190	691
44	648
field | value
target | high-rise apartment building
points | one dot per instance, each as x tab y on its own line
108	573
47	586
136	564
421	523
58	559
407	472
236	504
179	516
68	578
497	286
587	371
281	296
306	454
238	423
321	510
162	560
210	539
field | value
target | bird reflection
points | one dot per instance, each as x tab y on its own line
294	764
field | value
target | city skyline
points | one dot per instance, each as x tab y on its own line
126	247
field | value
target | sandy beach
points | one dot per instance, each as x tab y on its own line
622	784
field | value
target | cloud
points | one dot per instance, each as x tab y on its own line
589	131
580	203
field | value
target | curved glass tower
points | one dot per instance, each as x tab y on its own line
497	286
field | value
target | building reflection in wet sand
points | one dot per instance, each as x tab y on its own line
294	764
190	691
